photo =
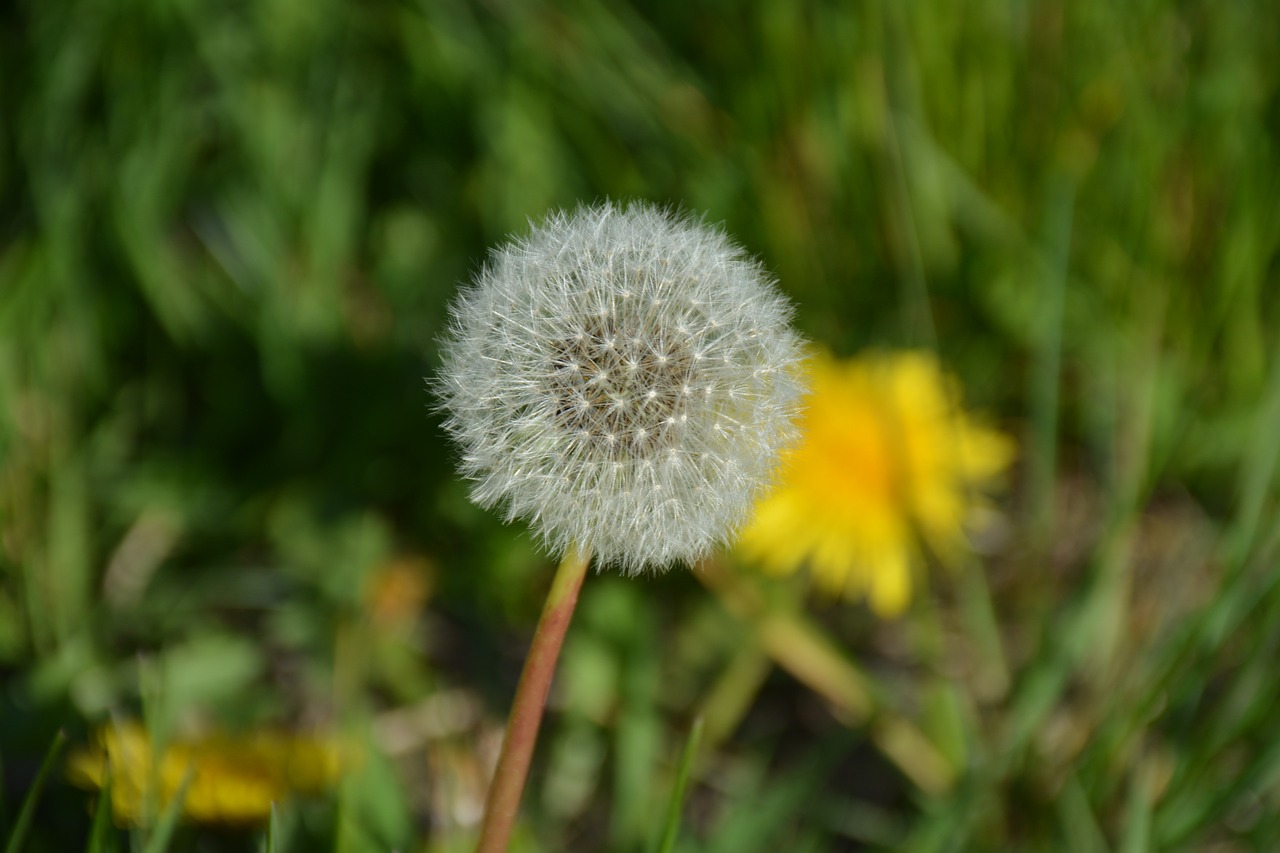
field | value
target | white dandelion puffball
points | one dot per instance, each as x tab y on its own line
624	379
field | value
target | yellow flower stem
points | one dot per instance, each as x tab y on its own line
793	643
914	754
729	699
801	648
531	697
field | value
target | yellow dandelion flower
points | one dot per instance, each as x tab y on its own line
233	779
887	457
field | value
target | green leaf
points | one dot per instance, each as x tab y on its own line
158	842
101	830
676	806
19	834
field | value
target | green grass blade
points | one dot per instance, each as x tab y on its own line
4	806
23	823
761	816
158	842
1047	367
1258	471
676	807
1079	824
1137	827
101	817
269	841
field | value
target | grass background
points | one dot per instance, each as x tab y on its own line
228	232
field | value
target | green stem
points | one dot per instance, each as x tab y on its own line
677	792
531	697
802	648
18	836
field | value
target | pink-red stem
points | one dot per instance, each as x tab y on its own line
531	697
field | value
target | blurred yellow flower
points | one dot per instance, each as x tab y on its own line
233	779
887	457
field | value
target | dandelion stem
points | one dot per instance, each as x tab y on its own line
531	697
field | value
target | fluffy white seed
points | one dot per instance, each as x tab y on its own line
624	379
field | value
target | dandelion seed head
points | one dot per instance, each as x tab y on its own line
623	378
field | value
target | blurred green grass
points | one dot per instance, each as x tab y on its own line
227	236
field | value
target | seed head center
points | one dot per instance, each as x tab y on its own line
617	387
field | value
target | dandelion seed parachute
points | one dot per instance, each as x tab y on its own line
623	378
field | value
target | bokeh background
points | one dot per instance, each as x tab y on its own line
228	234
